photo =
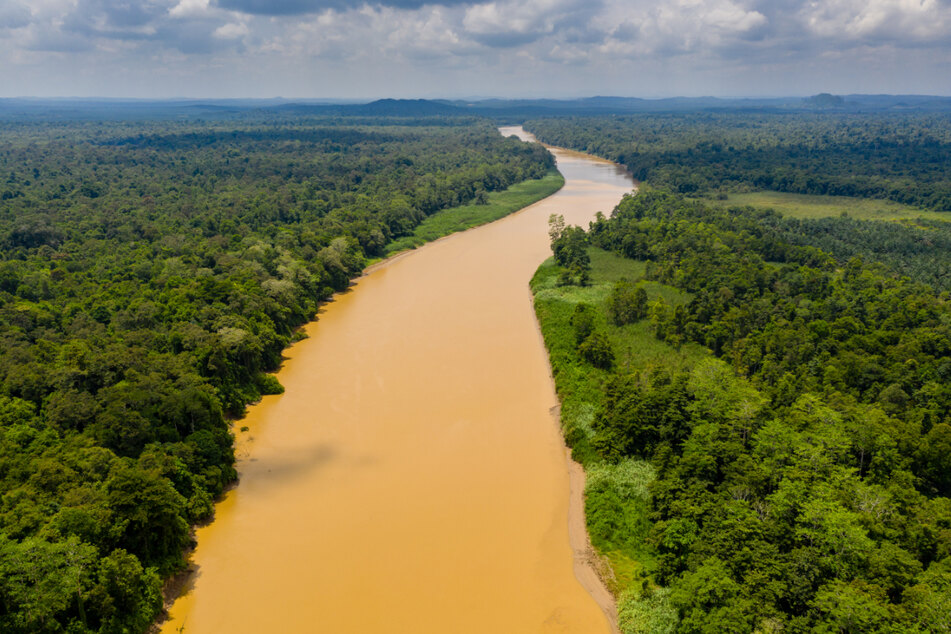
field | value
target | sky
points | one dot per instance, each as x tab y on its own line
468	49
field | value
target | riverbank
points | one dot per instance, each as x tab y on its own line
440	225
496	205
593	572
613	498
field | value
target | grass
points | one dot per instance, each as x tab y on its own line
610	267
635	346
617	502
616	495
807	206
499	205
580	385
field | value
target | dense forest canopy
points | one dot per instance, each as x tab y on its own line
898	156
763	409
795	478
511	110
150	275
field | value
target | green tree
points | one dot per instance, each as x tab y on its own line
571	252
41	582
127	597
596	350
583	321
852	608
152	513
627	303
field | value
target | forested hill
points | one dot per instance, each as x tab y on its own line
150	274
766	426
898	156
380	108
92	109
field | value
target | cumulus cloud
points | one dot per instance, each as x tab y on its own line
913	21
351	37
231	31
680	26
511	23
302	7
104	16
573	29
189	8
14	16
146	26
429	35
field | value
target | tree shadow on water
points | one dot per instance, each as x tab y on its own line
290	464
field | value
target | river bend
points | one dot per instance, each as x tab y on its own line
411	479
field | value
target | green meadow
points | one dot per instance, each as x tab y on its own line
811	206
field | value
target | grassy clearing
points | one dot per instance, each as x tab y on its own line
500	204
616	495
806	206
580	385
635	346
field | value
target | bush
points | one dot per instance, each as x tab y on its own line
269	384
596	350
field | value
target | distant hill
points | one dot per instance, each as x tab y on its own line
101	109
406	108
513	110
378	108
616	105
901	102
824	100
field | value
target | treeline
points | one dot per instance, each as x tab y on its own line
900	156
918	250
799	482
150	275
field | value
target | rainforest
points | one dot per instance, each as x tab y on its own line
751	350
152	273
760	397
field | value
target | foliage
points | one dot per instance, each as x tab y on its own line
806	206
570	246
496	205
647	612
627	303
900	156
616	503
801	476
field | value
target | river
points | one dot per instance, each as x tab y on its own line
412	478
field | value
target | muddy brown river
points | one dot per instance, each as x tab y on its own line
412	479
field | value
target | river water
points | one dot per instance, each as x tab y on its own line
411	479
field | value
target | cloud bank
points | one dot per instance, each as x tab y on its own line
324	48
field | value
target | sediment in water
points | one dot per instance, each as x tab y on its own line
410	478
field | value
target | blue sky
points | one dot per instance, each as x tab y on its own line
460	48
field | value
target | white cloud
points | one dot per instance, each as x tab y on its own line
231	31
681	26
374	45
383	32
187	8
512	17
510	23
912	21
